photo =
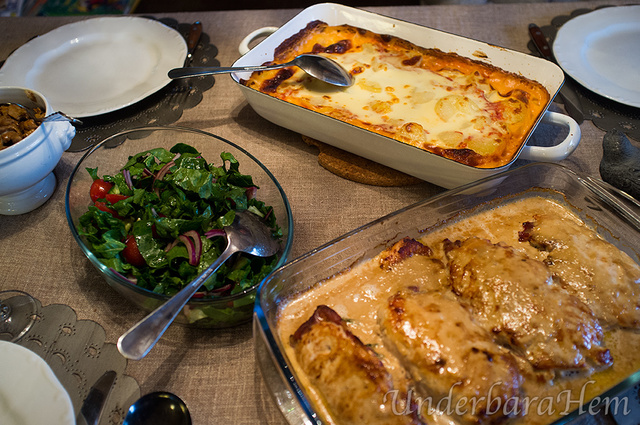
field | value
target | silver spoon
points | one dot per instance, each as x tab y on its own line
51	117
158	408
317	66
248	234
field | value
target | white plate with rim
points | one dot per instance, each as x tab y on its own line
98	65
30	392
601	50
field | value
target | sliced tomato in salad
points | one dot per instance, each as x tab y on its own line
102	206
131	253
114	197
99	189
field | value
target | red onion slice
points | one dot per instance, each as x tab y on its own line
197	244
224	288
192	241
164	170
170	246
127	178
214	232
251	192
190	248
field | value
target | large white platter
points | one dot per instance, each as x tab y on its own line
601	50
30	393
98	65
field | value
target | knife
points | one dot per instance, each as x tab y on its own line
95	401
195	32
567	92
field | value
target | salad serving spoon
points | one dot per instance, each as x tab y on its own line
317	66
248	233
160	407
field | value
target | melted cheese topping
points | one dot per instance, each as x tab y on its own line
456	107
439	103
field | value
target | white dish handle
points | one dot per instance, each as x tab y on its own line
260	32
562	149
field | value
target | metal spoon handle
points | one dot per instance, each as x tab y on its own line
61	116
194	72
137	341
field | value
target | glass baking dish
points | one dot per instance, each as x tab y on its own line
615	215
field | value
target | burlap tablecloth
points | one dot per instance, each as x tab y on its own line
215	371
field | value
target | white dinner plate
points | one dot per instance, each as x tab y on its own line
30	393
601	50
98	65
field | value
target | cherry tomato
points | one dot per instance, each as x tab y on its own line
102	206
131	253
113	198
99	189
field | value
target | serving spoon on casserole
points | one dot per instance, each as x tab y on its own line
317	66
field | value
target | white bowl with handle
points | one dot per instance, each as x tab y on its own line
26	167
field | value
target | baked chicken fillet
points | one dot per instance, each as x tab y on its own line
455	362
516	298
350	377
412	263
602	276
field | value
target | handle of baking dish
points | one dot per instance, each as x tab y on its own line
562	149
260	32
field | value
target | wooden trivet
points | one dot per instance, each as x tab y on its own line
358	169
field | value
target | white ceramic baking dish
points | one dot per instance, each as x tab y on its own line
409	159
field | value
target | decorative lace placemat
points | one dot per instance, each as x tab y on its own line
77	353
605	114
161	108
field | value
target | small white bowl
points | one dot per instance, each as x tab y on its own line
26	168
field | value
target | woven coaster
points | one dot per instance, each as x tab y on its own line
358	169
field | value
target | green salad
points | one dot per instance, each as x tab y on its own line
159	222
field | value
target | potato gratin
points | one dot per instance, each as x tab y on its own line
456	107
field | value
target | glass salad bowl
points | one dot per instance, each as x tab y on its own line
231	301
